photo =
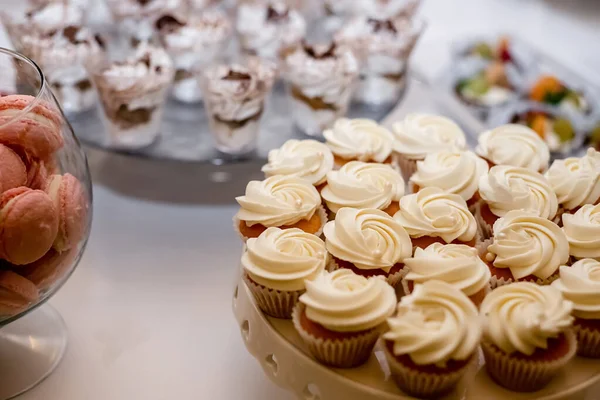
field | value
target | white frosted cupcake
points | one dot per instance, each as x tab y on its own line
341	316
432	339
456	264
418	135
453	171
364	185
526	247
527	336
515	145
368	242
506	188
276	265
583	232
281	202
307	159
434	216
580	284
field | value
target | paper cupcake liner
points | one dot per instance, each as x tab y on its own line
483	245
407	166
523	375
422	384
496	282
275	303
588	342
339	353
485	229
391	279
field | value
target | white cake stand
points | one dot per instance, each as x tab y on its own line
284	359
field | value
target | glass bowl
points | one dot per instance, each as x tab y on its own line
45	218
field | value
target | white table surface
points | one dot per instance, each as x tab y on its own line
148	310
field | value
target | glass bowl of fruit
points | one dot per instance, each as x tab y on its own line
503	49
566	94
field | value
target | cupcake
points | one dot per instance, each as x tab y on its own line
506	188
420	134
341	316
583	232
234	98
576	181
580	284
276	265
387	9
456	264
368	242
434	216
432	339
363	185
132	94
514	145
527	336
281	202
386	45
453	171
193	42
307	159
270	30
321	81
525	247
359	140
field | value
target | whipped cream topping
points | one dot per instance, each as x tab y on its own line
282	259
583	231
278	201
342	301
576	181
528	245
456	264
307	159
508	188
384	9
420	134
453	171
522	316
359	139
136	9
237	92
53	16
435	213
362	185
325	72
269	28
369	239
580	284
339	7
515	145
436	323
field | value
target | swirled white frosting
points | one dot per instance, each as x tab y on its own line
528	245
359	139
576	181
583	231
369	239
307	159
508	188
456	264
420	134
433	212
515	145
435	324
278	201
342	301
580	284
362	185
453	171
282	259
522	316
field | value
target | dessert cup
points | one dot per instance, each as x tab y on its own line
320	81
132	95
336	12
387	9
234	97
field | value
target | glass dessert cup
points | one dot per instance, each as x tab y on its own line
51	174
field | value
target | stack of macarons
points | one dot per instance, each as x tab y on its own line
43	214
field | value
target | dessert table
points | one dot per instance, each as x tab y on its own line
149	309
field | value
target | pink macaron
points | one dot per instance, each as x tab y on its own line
28	225
37	131
71	205
16	293
13	172
50	269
